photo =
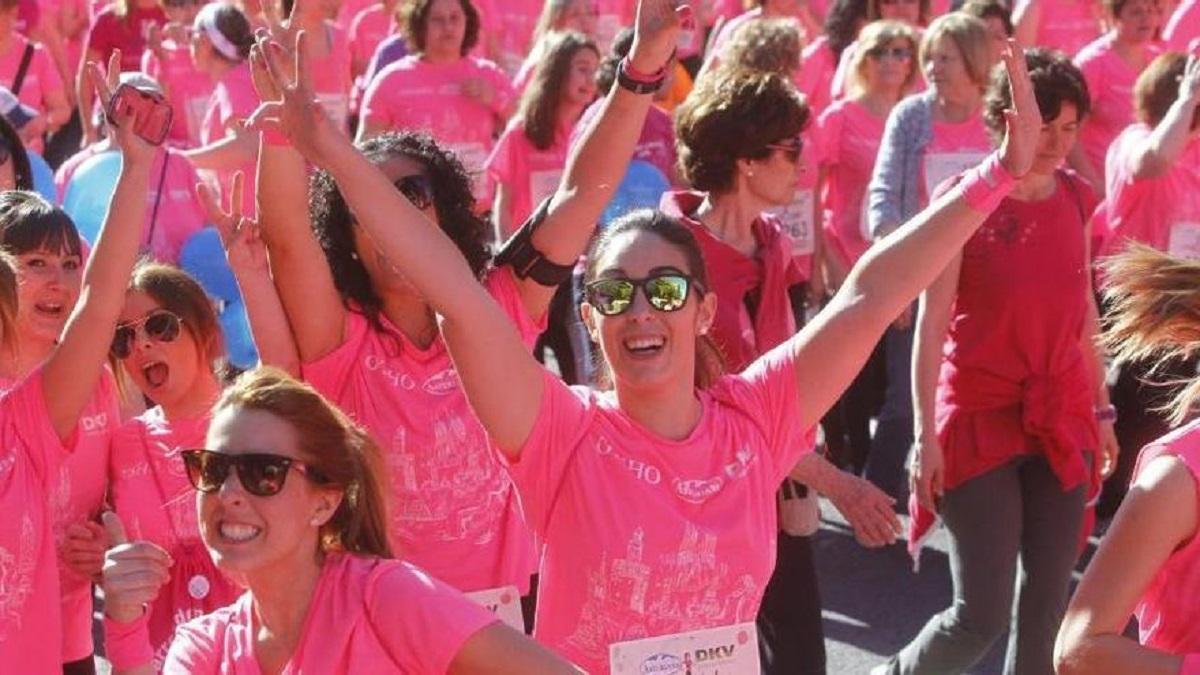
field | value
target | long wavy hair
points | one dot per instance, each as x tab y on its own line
543	98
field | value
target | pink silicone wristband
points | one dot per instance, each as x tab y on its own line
638	76
1191	664
985	186
275	137
127	645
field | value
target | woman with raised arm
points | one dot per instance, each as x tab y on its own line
1007	388
1148	564
368	339
655	501
40	415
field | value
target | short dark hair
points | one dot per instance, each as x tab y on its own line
712	128
414	17
1056	80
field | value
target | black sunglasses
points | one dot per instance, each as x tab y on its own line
417	188
159	325
261	474
665	292
791	148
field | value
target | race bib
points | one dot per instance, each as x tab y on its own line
1185	241
715	651
473	157
542	184
940	166
504	602
797	219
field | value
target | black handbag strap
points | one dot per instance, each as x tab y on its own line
23	69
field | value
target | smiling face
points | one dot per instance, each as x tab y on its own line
255	536
166	372
646	348
48	288
581	79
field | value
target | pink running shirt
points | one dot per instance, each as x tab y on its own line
508	26
646	536
531	174
31	456
1066	25
455	512
956	147
1167	613
233	100
815	78
189	91
1110	83
1183	26
1163	212
110	31
151	492
850	138
367	615
42	78
415	95
656	145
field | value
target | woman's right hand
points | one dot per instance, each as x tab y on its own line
133	572
240	235
927	471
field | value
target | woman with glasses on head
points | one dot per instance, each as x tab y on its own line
290	500
57	406
1008	385
369	340
655	501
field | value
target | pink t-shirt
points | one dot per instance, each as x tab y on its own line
42	78
531	174
233	100
656	145
331	76
1066	25
152	494
1183	26
510	24
1167	613
179	214
368	29
31	456
416	95
1110	83
350	9
1162	212
646	536
849	137
367	616
955	148
454	510
189	91
816	77
76	495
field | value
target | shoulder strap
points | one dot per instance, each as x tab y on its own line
1083	216
162	178
23	69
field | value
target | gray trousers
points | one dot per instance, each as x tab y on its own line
1015	514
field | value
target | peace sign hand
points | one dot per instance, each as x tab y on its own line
1023	123
292	109
240	235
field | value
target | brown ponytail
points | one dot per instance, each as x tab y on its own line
1153	314
335	447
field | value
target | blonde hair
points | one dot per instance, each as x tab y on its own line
1154	314
970	36
334	447
876	35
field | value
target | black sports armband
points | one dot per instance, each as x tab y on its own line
527	262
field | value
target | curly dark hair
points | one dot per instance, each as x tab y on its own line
843	22
1056	80
733	116
543	97
333	223
414	18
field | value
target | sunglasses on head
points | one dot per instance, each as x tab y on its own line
791	148
261	474
159	325
895	53
665	292
417	188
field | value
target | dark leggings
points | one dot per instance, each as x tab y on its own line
81	667
791	640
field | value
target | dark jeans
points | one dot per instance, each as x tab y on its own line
1016	514
791	640
894	431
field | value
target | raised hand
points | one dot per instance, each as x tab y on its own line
133	572
1189	85
1023	123
294	110
83	549
123	122
656	33
240	236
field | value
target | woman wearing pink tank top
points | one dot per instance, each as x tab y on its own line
1148	564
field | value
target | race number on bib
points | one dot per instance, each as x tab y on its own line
1185	241
504	602
542	184
940	166
797	219
715	651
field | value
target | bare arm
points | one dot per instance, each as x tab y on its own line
1159	514
500	650
227	154
500	213
933	318
1158	154
73	369
85	97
